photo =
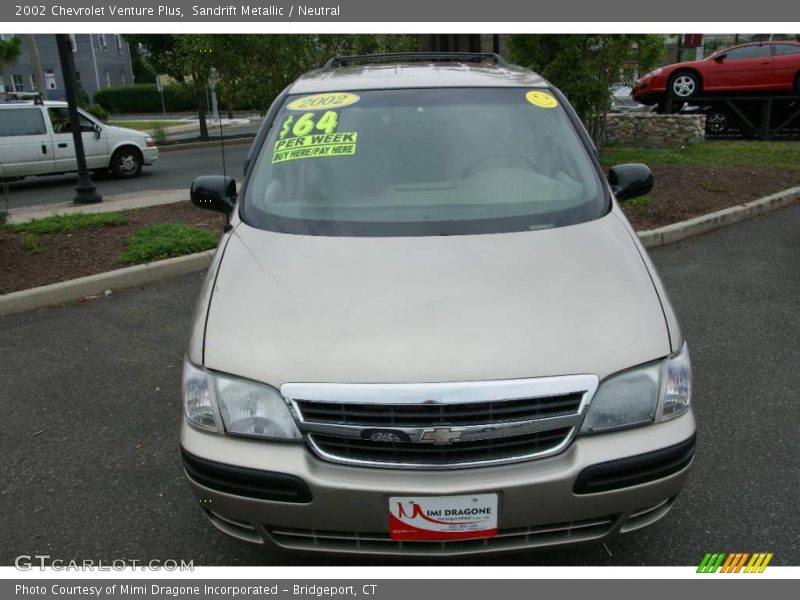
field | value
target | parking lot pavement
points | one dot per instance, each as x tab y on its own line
90	410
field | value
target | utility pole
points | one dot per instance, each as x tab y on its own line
85	191
213	78
36	66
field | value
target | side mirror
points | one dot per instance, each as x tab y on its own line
720	57
214	192
97	131
630	180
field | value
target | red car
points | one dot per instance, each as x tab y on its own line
755	67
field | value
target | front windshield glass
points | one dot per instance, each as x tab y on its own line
443	161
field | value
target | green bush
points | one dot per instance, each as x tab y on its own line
144	98
166	240
69	223
97	111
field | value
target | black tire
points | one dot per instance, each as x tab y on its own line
126	163
717	122
684	85
797	84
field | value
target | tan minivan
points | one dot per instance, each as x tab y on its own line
429	329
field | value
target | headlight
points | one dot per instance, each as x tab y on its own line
245	407
656	391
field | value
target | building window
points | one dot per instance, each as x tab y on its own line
33	84
102	41
6	36
108	79
118	43
49	79
17	85
2	85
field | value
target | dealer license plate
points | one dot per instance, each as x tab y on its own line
443	517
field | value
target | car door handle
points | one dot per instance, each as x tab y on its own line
63	145
44	149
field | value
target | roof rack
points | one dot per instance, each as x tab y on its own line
24	97
340	61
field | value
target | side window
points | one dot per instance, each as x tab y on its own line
21	121
748	52
59	117
784	49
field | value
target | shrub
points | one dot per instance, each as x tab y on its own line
32	245
97	111
144	98
166	240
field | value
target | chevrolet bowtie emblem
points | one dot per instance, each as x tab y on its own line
441	435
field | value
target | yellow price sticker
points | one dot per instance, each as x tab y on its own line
323	101
541	99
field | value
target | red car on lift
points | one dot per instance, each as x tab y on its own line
755	67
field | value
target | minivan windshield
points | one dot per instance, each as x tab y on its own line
412	162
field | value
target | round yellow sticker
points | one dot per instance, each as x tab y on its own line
323	101
541	99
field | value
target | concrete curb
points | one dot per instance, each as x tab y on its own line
209	144
92	285
668	234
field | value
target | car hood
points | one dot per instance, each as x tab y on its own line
124	132
293	308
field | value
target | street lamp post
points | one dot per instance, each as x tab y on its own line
85	191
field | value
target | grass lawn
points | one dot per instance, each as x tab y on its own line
767	155
146	125
68	223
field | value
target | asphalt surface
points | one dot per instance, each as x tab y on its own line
90	465
173	170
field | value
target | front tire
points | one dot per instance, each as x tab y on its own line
684	85
126	163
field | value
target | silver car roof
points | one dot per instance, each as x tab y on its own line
415	75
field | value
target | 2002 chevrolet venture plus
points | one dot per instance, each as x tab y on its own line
429	328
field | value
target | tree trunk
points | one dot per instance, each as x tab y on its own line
201	114
229	106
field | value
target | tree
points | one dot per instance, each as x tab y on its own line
9	51
253	69
584	67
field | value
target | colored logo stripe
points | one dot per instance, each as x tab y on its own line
734	562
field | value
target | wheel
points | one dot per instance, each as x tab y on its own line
684	85
717	122
126	163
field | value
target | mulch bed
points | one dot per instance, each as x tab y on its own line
683	192
89	251
680	193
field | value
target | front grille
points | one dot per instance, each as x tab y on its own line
420	454
440	425
426	415
506	539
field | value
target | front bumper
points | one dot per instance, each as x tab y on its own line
649	90
348	508
149	155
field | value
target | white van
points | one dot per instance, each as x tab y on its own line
36	139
